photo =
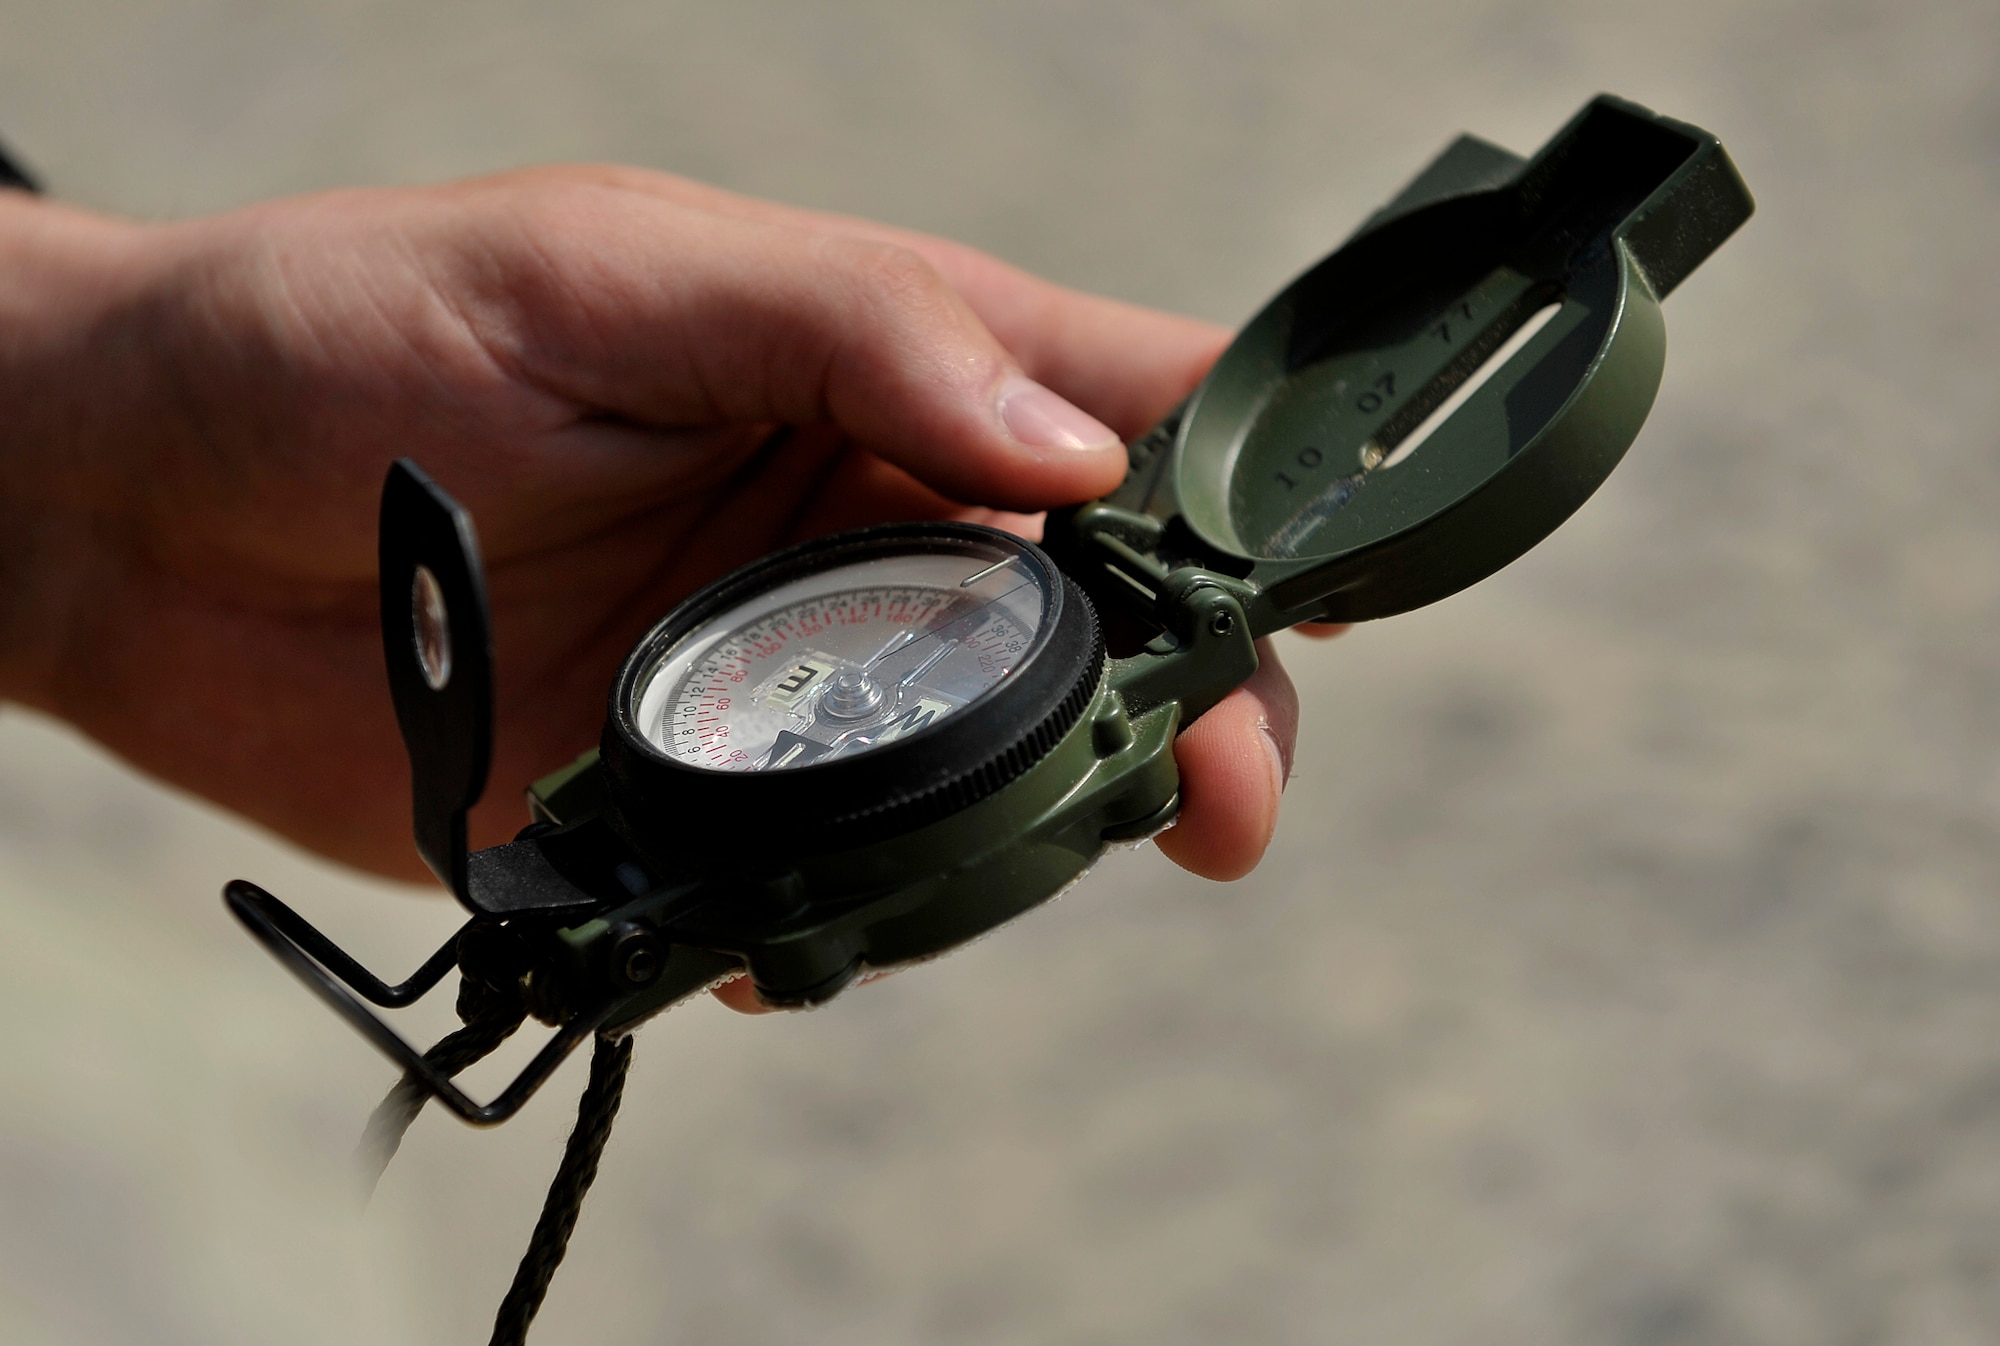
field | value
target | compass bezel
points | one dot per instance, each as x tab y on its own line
663	802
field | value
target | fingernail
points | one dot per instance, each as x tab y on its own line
1041	420
1281	763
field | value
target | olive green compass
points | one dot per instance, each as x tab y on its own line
868	749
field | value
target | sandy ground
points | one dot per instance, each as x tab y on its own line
1627	969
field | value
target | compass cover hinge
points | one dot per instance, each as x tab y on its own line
1203	651
1127	559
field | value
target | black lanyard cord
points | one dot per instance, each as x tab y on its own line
489	1021
594	1115
490	1018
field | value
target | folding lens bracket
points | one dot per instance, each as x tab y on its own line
440	658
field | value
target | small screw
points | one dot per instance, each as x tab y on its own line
636	957
1222	623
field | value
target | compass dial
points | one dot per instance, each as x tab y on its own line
843	661
850	688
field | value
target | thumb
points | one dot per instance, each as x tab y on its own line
670	316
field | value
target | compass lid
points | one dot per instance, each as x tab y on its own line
1433	399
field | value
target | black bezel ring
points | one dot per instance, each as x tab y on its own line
679	813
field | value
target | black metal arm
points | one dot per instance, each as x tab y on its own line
294	927
329	973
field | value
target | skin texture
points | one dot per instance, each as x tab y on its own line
195	420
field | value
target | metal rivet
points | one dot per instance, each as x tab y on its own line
1222	623
636	957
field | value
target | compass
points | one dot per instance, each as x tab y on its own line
866	750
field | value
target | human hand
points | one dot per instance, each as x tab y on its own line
195	420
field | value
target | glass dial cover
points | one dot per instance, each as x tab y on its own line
839	662
847	690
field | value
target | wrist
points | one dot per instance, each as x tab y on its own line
62	275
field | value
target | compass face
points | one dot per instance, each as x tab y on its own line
837	663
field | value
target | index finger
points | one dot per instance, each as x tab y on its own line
1125	364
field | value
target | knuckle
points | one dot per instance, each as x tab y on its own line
893	277
903	323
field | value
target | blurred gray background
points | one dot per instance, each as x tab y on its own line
1627	969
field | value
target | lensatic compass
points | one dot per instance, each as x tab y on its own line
866	750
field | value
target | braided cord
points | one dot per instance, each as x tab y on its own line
595	1113
490	1019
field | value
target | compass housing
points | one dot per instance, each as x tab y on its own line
664	801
